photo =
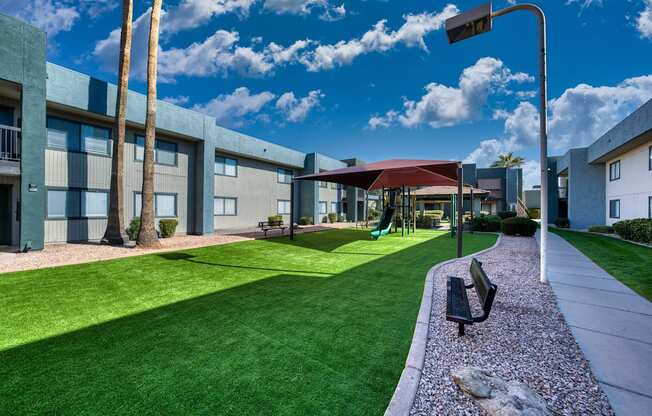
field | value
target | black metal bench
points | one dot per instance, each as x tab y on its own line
457	305
271	225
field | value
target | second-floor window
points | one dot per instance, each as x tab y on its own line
649	158
165	152
614	170
78	137
284	175
226	166
323	184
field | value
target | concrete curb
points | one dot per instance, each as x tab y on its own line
408	384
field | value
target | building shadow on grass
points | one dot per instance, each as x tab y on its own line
282	345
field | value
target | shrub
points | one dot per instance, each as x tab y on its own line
133	229
424	222
324	219
534	213
562	223
603	229
275	218
342	218
434	213
488	223
518	226
305	221
168	227
332	217
639	229
373	214
506	214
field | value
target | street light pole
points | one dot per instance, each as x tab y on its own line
479	20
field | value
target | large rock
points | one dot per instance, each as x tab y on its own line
497	396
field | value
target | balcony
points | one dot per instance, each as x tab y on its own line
9	150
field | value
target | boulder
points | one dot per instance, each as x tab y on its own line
497	396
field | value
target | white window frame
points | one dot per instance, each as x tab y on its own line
283	207
224	166
224	199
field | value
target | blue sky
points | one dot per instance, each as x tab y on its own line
375	79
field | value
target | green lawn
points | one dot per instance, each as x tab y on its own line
321	325
629	263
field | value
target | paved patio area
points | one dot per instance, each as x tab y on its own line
611	323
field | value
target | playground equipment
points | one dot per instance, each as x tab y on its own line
384	225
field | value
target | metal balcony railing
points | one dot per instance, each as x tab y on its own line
9	143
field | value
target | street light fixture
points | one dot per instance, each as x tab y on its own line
479	20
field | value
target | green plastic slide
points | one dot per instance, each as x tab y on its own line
384	225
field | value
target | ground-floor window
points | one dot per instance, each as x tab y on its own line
614	208
649	206
323	207
225	206
165	205
335	207
283	207
77	203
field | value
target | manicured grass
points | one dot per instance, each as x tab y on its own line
321	325
629	263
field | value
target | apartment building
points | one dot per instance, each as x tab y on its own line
609	180
55	159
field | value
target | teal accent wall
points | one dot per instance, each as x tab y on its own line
22	61
309	190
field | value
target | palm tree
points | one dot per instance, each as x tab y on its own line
115	227
508	160
147	236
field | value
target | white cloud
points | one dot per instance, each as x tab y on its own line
447	106
232	110
644	21
190	14
297	109
584	3
178	100
384	121
305	7
378	39
49	15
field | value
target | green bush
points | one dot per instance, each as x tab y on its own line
305	221
275	218
324	219
534	213
518	226
332	217
639	229
487	223
562	223
168	227
424	222
342	218
133	229
603	229
434	213
373	214
506	214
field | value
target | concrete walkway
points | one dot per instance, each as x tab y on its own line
611	323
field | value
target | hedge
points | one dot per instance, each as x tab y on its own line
305	221
424	222
332	217
168	227
534	213
506	214
133	229
488	223
518	226
602	229
639	229
562	223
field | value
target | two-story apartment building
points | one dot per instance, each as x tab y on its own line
609	180
55	158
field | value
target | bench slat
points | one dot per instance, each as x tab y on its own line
457	307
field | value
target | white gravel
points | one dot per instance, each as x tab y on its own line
525	339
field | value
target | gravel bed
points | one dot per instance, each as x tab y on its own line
525	339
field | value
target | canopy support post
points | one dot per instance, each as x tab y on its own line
472	205
460	209
403	211
292	210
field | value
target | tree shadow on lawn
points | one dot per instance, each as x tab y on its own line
284	345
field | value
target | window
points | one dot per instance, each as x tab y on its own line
284	175
649	158
335	186
649	206
77	137
57	202
335	207
323	184
614	208
225	206
614	170
225	166
94	204
283	207
165	205
322	207
165	153
77	203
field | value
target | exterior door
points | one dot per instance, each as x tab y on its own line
6	116
5	214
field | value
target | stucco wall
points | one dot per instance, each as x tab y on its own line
634	186
586	191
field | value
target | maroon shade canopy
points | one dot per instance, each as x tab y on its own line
392	173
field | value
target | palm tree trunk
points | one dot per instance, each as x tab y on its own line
147	236
115	227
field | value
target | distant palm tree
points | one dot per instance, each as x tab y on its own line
508	160
147	236
115	227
